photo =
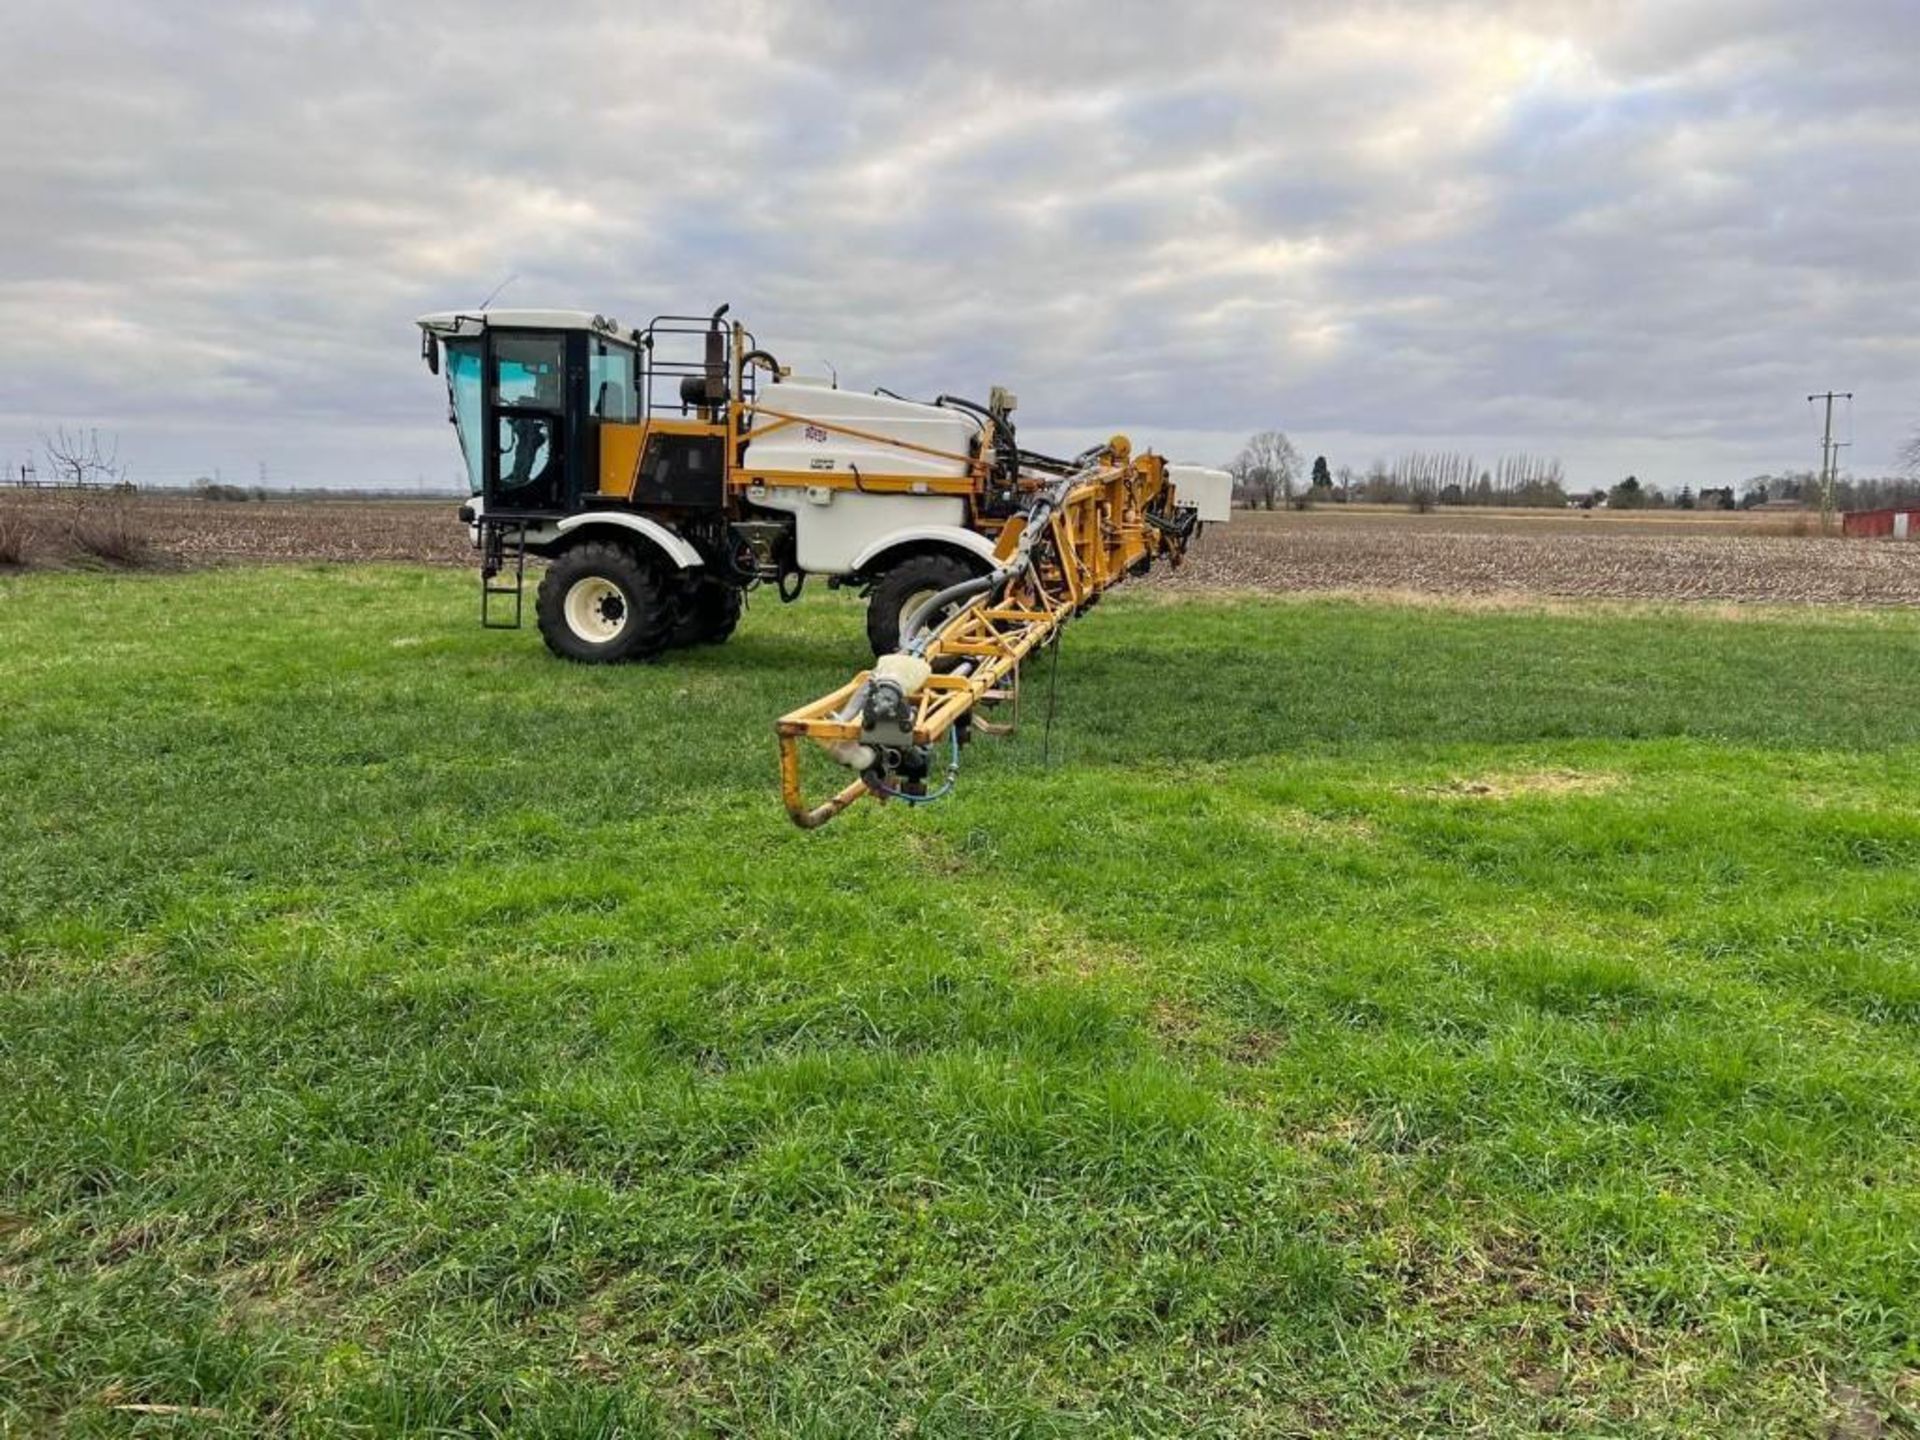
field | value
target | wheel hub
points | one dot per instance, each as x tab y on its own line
596	609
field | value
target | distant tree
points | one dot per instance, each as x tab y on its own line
1756	495
1241	469
1377	487
1530	480
81	461
1685	499
1322	477
1265	469
1627	495
1876	493
1345	476
1910	456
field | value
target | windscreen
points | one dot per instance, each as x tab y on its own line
463	401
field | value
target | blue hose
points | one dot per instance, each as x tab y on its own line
953	773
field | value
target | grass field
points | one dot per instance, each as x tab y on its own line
1374	1018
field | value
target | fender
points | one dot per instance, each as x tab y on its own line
671	545
968	540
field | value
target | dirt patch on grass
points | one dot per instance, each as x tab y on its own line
1516	785
1295	823
1184	1029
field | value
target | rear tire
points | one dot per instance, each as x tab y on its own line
601	603
709	612
903	589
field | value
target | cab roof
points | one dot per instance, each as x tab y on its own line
447	324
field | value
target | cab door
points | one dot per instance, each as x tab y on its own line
531	424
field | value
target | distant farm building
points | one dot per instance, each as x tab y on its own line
1894	524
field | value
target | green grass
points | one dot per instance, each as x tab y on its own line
1372	1019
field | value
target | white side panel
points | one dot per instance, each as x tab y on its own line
1209	491
1901	520
815	444
833	528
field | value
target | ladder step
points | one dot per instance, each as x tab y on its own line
494	563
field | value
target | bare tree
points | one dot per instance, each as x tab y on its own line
1910	456
1241	469
1265	469
79	461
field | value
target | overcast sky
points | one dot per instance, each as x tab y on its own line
1634	233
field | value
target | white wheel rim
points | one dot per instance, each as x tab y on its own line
596	609
912	603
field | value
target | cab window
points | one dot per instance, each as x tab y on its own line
610	392
527	370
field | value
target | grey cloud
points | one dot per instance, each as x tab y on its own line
1608	229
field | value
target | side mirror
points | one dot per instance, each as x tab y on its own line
430	351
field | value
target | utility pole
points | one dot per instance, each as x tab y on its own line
1829	456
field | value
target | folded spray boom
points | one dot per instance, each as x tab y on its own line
1080	534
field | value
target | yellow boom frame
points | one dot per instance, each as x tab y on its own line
1107	521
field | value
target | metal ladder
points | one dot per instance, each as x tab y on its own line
494	555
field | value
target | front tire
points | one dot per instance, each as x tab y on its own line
903	589
598	604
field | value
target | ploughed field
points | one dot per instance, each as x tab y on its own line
1736	558
1373	1018
1664	556
185	528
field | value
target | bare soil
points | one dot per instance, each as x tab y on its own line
1740	559
1492	554
186	528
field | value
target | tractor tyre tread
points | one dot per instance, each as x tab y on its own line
907	577
648	597
709	613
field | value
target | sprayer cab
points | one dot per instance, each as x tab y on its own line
528	391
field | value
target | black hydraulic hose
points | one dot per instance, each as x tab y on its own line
952	595
1005	451
960	402
1037	516
1045	462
